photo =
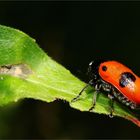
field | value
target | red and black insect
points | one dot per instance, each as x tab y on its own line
116	80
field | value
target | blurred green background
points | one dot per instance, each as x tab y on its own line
72	33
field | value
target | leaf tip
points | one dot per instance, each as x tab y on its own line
134	120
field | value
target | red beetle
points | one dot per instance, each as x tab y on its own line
116	80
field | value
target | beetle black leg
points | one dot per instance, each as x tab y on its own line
111	105
77	97
94	100
97	89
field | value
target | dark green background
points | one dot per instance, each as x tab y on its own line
73	33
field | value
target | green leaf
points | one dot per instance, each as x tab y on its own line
26	71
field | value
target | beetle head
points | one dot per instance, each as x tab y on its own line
93	68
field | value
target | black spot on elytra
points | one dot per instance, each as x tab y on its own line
126	78
104	68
